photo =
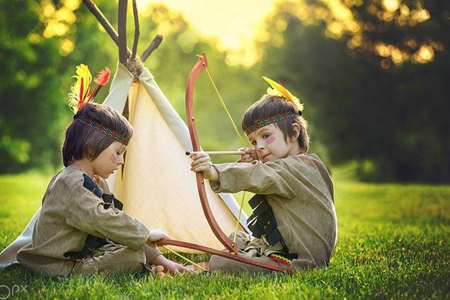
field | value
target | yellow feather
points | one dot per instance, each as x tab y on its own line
79	91
280	91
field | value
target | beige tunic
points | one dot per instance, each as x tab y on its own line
70	212
300	192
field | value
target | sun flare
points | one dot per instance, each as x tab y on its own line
234	23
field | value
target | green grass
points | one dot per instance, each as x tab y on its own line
393	244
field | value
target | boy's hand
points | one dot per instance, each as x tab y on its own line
157	234
249	156
202	163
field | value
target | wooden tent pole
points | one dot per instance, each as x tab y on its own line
153	45
103	21
122	20
136	30
113	34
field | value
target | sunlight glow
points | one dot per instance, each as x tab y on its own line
424	55
57	21
66	47
391	5
234	23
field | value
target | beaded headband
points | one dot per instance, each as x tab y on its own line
270	120
80	94
105	130
279	91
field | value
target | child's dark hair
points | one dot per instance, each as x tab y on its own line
83	141
269	106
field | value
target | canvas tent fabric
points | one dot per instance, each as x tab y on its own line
155	183
9	255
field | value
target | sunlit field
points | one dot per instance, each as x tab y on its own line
393	243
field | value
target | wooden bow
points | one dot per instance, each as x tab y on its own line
200	66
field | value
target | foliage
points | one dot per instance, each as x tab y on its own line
29	88
38	38
389	117
171	64
372	74
392	245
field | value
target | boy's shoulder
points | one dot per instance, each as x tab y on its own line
306	162
69	177
72	176
303	158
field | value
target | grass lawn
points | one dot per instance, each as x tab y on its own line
393	244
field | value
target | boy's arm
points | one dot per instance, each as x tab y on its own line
256	177
284	177
86	212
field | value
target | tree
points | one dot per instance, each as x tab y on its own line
28	89
373	79
38	55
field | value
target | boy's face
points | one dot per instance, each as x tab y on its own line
109	160
270	143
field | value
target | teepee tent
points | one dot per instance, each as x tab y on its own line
155	183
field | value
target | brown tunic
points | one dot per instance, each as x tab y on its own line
70	212
300	192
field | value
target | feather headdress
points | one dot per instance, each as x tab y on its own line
80	92
280	91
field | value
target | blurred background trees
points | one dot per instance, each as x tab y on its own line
41	43
373	76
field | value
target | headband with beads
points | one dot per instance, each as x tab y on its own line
80	94
279	91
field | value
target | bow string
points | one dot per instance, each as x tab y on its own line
230	245
241	206
200	66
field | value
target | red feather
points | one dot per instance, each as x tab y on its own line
103	76
80	100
